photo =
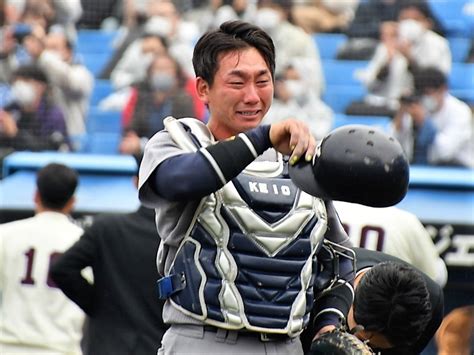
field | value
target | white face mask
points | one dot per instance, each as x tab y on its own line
163	82
297	90
429	103
267	19
159	25
410	30
56	54
24	93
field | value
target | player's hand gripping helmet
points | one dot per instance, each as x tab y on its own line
355	163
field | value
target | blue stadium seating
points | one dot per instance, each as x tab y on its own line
94	41
102	143
338	97
100	121
95	62
461	81
382	122
329	43
102	89
94	48
459	47
452	17
341	72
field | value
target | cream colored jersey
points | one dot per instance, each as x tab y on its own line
34	314
393	231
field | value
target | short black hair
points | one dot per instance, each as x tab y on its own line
56	185
429	78
230	36
392	299
30	71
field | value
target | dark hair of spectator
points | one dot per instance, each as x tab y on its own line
163	39
392	299
229	37
56	185
30	71
429	78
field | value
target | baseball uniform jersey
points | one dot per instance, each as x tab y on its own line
35	315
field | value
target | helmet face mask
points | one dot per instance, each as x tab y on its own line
356	163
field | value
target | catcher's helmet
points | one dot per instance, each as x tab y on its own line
355	163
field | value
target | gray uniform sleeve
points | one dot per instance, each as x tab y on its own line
159	148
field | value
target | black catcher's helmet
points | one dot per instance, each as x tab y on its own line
356	163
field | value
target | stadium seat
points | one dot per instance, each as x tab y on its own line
329	43
100	121
338	97
102	89
95	62
382	122
459	47
95	41
461	81
342	72
452	16
94	48
102	143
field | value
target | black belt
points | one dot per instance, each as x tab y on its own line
264	337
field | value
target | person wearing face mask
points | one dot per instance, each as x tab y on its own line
163	30
31	121
234	10
291	42
437	127
293	99
420	45
162	94
131	68
386	77
71	82
405	46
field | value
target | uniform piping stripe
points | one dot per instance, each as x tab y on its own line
331	310
249	144
214	164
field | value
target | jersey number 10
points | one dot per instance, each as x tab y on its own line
30	258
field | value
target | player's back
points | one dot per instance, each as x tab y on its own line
393	231
34	312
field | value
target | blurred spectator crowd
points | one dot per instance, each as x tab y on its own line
100	76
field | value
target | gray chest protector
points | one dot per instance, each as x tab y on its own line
247	260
